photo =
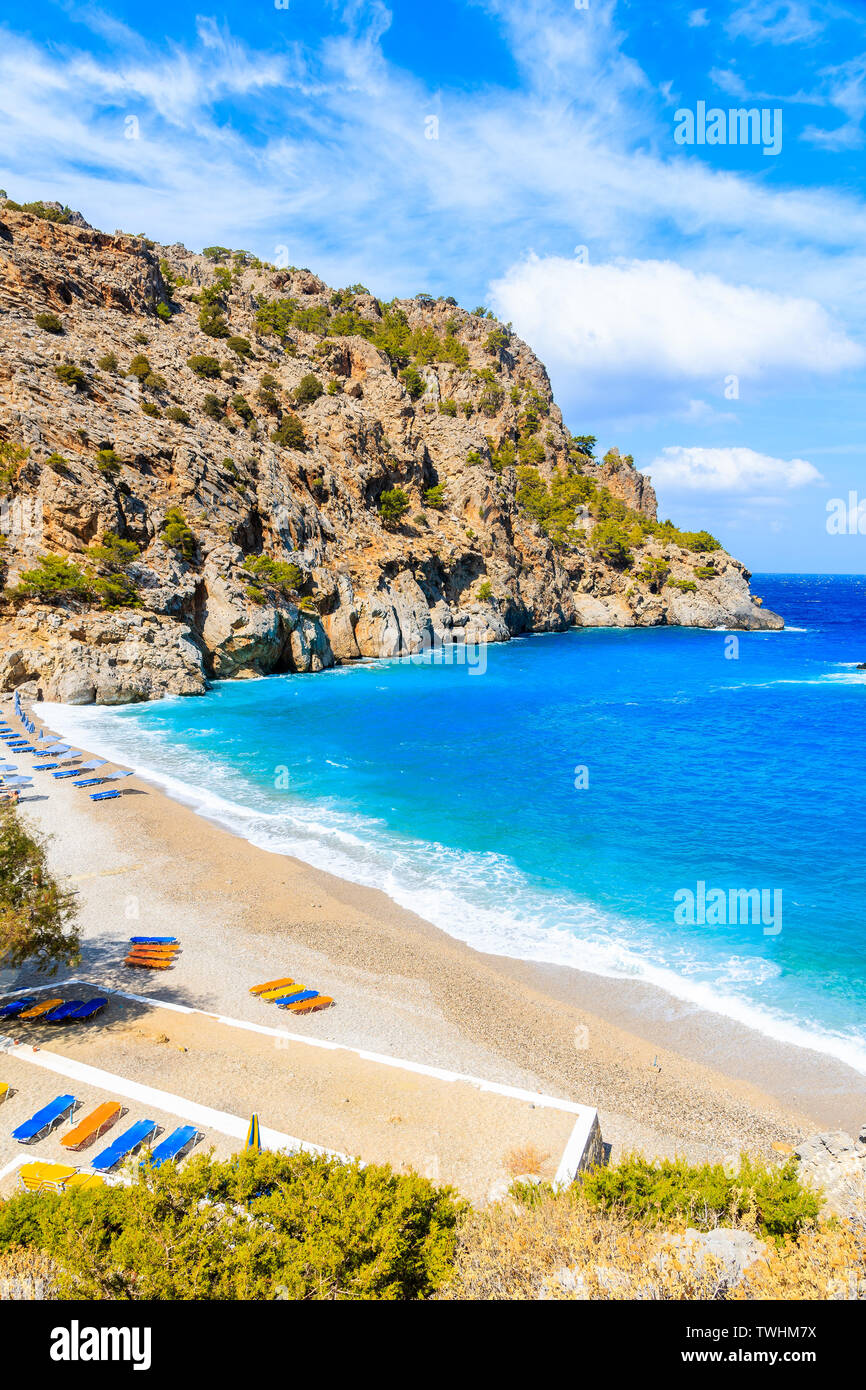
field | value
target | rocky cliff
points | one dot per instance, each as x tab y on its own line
234	469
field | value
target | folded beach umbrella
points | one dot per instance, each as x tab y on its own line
254	1139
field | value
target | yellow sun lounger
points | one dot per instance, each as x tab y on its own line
293	988
84	1180
94	1124
4	1091
309	1006
271	984
45	1177
43	1008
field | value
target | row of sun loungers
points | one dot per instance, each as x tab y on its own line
288	994
153	952
53	1010
91	1128
51	755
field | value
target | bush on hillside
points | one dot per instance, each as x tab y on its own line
393	506
176	533
37	917
289	433
308	389
204	366
50	323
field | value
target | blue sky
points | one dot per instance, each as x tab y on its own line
701	306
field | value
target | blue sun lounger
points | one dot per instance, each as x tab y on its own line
153	941
297	998
62	1011
45	1119
104	796
175	1146
88	1010
17	1006
124	1145
76	771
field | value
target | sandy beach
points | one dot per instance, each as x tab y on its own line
666	1077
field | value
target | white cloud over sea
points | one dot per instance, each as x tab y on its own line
729	470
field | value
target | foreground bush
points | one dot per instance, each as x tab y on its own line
262	1226
704	1195
37	916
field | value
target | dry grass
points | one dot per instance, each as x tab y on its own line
526	1159
26	1275
559	1248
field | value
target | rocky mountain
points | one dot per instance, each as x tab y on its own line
212	467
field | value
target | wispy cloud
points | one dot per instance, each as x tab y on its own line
735	470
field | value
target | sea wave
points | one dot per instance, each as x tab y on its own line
480	898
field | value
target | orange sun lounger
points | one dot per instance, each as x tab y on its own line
272	984
309	1006
148	962
293	988
43	1008
94	1124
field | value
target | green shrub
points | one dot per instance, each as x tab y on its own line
37	928
241	346
289	433
611	543
414	383
212	321
107	461
474	458
283	575
654	573
485	591
139	367
12	458
176	413
448	407
216	253
108	363
151	409
113	551
154	381
49	322
393	506
705	571
242	408
54	580
176	533
335	386
40	209
308	389
212	407
435	497
163	311
669	1191
688	586
497	340
204	366
251	1228
71	375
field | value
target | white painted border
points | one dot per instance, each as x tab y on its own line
574	1157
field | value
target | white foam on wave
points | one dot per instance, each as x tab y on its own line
493	908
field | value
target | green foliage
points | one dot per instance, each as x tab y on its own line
290	433
335	386
282	575
705	571
212	321
485	591
139	367
688	586
176	533
669	1191
393	506
308	389
492	398
251	1228
505	456
583	444
653	573
163	311
435	497
71	375
497	340
414	382
54	580
37	917
204	366
448	407
688	540
113	551
12	458
241	346
242	408
474	459
178	414
216	253
108	363
212	407
49	322
612	543
107	461
40	209
276	317
152	409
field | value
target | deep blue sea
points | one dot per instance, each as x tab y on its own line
553	805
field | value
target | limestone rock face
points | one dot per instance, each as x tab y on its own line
139	436
836	1162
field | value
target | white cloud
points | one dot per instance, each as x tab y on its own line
645	332
731	470
698	19
774	21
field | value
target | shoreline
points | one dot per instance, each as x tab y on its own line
404	986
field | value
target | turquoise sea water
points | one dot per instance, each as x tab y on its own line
455	793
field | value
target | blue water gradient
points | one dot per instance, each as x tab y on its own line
455	792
